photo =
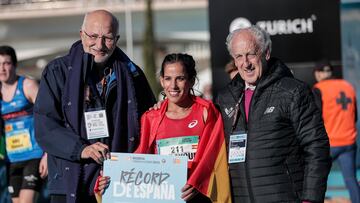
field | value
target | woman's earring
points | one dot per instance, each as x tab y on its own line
163	94
192	91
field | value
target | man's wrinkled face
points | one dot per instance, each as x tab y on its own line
98	37
248	57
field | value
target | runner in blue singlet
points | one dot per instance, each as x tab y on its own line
28	163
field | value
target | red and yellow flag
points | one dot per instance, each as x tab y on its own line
210	175
209	169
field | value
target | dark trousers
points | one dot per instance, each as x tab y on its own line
200	198
62	199
346	158
58	198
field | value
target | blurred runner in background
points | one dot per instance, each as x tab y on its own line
28	162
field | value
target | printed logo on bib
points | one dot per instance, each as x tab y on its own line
8	128
193	123
179	146
18	141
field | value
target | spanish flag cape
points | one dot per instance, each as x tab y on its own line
209	170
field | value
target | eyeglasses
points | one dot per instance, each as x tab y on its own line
94	37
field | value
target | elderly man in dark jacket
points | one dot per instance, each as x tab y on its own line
277	143
89	103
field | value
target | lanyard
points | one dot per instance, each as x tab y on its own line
104	82
236	114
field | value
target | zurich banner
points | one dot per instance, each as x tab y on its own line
302	32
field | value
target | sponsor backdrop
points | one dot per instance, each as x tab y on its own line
302	32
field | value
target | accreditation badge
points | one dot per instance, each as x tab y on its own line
237	148
96	124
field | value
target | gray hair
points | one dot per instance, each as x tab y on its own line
114	23
262	37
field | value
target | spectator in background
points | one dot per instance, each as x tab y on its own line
337	100
96	78
278	147
231	69
28	162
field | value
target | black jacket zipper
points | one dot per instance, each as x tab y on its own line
246	124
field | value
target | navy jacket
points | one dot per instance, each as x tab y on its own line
58	114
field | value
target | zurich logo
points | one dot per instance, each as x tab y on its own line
193	123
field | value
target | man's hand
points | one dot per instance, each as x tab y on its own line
97	151
157	105
188	192
43	167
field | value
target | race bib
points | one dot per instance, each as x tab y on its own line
237	148
18	141
96	124
178	146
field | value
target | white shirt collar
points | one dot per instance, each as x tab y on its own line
249	87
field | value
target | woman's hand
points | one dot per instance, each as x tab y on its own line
188	192
103	182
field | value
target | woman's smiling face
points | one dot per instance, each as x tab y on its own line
175	83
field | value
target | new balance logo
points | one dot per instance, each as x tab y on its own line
269	110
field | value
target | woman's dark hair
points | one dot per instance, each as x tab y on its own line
186	60
8	50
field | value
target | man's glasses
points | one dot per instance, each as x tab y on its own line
93	37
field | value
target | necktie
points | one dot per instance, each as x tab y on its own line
248	95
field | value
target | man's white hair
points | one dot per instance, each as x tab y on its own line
262	38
